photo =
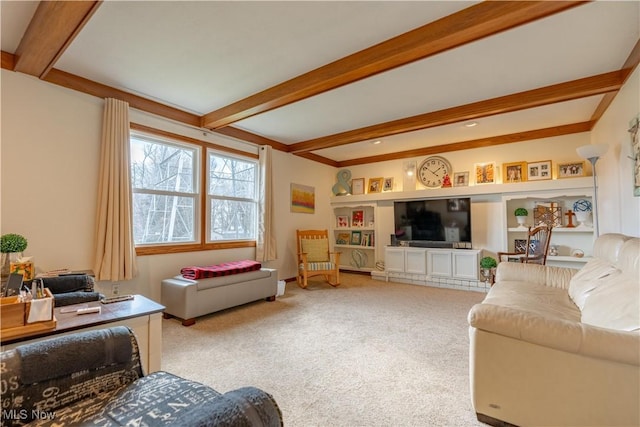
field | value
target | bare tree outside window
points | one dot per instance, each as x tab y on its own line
164	198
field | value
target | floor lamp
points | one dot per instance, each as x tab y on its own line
593	152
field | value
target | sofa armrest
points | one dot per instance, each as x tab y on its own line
559	334
556	277
76	366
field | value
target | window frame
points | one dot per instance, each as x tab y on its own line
202	243
210	197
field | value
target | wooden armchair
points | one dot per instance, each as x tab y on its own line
314	258
536	248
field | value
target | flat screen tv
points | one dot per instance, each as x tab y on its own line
433	222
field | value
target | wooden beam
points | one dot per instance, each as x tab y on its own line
52	29
8	61
319	159
476	143
588	86
628	68
243	135
90	87
465	26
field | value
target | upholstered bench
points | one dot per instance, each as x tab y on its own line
214	288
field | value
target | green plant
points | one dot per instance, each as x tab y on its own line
488	262
12	243
521	212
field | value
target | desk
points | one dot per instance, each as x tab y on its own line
141	314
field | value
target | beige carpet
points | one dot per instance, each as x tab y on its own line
367	353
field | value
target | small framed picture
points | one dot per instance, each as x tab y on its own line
375	185
485	173
388	184
356	237
343	238
342	221
514	172
357	218
571	170
538	171
357	186
461	179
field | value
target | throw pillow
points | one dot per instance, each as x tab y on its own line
317	250
614	305
587	279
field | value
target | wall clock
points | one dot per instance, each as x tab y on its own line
432	171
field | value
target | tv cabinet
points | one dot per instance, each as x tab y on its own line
456	268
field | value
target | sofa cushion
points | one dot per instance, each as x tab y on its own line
317	250
588	278
614	304
533	298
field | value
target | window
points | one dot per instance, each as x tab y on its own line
175	204
232	200
165	191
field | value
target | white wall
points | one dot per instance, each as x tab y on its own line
50	139
619	209
50	145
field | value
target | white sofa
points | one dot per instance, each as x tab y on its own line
552	346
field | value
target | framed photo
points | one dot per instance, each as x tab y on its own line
357	218
342	221
461	179
375	185
538	171
634	130
485	173
356	237
357	186
343	238
388	184
514	172
571	170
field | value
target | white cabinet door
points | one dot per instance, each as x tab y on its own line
415	261
465	264
394	259
439	262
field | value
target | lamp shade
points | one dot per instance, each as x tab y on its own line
592	151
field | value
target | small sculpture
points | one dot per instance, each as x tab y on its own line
342	187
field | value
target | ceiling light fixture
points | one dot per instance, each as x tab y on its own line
471	124
376	142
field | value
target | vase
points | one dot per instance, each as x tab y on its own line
7	259
582	217
521	220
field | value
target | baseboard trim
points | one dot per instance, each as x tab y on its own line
486	419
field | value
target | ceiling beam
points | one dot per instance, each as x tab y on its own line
628	68
476	143
465	26
588	86
52	29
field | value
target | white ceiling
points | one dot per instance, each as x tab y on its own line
200	56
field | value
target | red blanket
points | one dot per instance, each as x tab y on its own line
224	269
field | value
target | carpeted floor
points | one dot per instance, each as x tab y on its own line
367	353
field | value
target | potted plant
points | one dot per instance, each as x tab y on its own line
521	216
488	265
11	247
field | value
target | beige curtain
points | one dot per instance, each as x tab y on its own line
266	244
115	249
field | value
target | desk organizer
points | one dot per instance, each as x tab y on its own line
15	319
